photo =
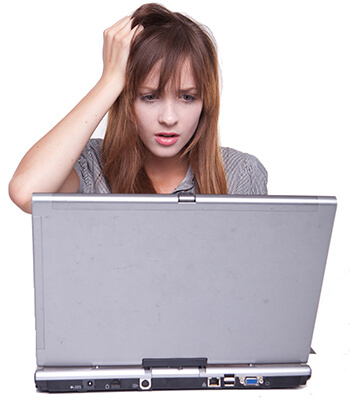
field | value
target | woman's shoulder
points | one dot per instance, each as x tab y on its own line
89	168
233	158
245	174
95	146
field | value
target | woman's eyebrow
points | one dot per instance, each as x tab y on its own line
148	89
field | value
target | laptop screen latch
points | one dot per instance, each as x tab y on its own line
187	197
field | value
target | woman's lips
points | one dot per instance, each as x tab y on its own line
166	138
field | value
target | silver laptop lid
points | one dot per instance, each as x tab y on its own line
123	278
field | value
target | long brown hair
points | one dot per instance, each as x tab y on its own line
169	39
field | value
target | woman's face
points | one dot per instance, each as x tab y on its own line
167	121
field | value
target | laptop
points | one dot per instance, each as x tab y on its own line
156	292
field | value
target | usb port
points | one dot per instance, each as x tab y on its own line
229	380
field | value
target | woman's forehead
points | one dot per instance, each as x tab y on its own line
182	77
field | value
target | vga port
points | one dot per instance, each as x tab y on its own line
251	380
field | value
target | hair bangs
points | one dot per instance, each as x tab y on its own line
164	52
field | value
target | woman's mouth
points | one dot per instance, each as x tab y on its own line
166	138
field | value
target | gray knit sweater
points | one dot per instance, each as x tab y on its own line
245	175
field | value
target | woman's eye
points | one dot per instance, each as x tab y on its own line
148	98
188	98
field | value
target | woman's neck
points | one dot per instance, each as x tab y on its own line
166	173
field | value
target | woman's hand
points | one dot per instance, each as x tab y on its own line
116	48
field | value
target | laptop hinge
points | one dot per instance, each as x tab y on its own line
175	363
186	198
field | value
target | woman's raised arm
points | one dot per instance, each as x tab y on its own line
49	165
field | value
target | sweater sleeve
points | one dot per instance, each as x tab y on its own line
245	174
89	168
255	176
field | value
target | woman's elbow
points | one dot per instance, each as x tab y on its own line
19	196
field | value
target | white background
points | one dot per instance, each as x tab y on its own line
285	99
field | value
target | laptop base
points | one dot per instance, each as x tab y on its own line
82	379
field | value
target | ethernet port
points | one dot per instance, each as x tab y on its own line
214	381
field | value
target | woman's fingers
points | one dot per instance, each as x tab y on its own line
120	24
116	49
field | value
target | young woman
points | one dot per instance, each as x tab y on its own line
160	85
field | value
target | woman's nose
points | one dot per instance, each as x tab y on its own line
168	114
